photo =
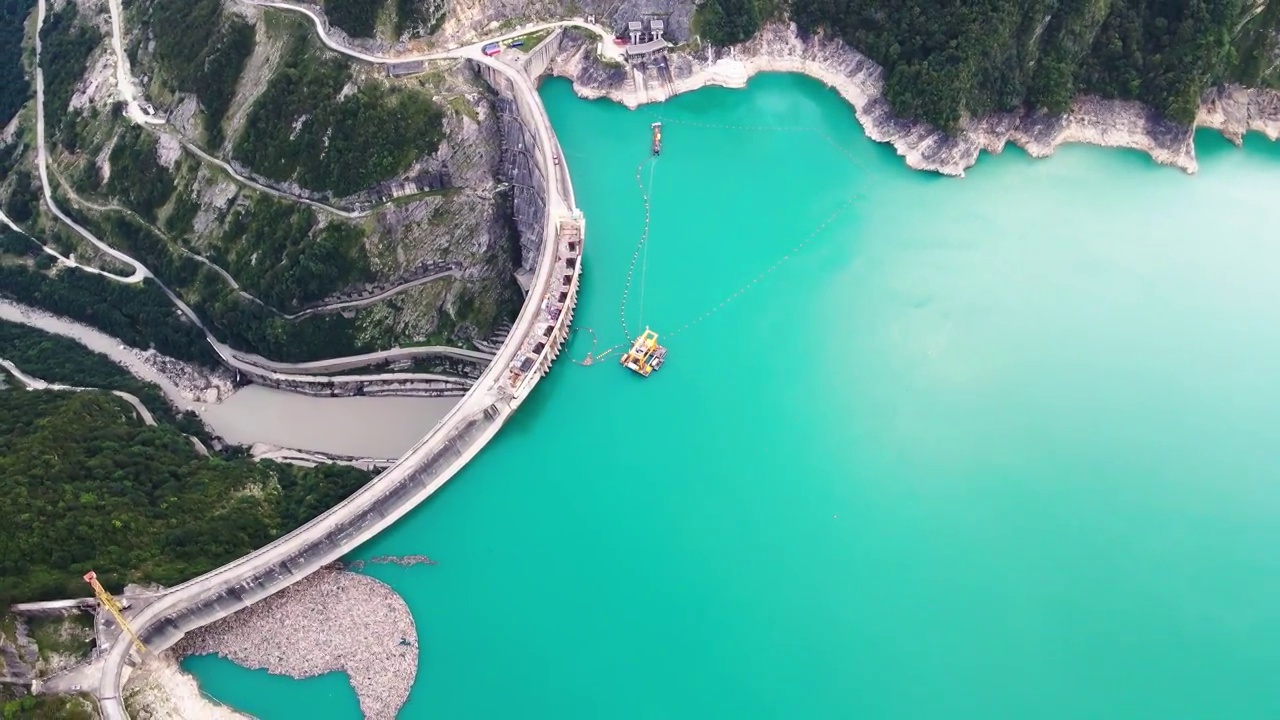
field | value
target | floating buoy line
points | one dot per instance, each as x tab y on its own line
640	255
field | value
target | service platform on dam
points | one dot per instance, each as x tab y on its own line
551	328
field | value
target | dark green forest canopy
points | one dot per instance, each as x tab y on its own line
276	251
201	50
89	487
66	45
141	315
44	707
419	17
299	130
15	90
59	359
137	177
357	18
24	198
947	60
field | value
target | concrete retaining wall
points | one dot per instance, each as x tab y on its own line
349	388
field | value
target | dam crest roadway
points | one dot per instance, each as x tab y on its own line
533	343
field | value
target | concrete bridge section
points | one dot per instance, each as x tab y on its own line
55	608
533	343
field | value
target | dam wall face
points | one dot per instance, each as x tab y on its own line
519	165
536	62
556	320
537	65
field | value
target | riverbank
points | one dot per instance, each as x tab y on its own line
365	432
330	621
182	383
265	451
778	47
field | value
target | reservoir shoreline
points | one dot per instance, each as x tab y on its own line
474	529
779	47
927	149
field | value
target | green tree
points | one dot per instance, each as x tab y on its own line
945	61
88	486
729	22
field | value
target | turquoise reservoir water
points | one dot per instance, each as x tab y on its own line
1000	447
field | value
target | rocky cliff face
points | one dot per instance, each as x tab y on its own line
1235	111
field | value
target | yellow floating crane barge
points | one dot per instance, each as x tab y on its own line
645	355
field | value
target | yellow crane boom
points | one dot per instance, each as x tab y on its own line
113	606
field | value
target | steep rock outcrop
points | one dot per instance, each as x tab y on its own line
1235	110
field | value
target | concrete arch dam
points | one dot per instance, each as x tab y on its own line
535	340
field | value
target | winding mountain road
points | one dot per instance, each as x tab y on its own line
140	272
228	278
59	257
245	180
247	363
35	383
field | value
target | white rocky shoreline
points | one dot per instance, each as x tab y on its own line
779	47
341	621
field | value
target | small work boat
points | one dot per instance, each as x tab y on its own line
645	355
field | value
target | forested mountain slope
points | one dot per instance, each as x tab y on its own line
285	179
89	486
947	60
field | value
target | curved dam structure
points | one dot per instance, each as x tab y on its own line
535	340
